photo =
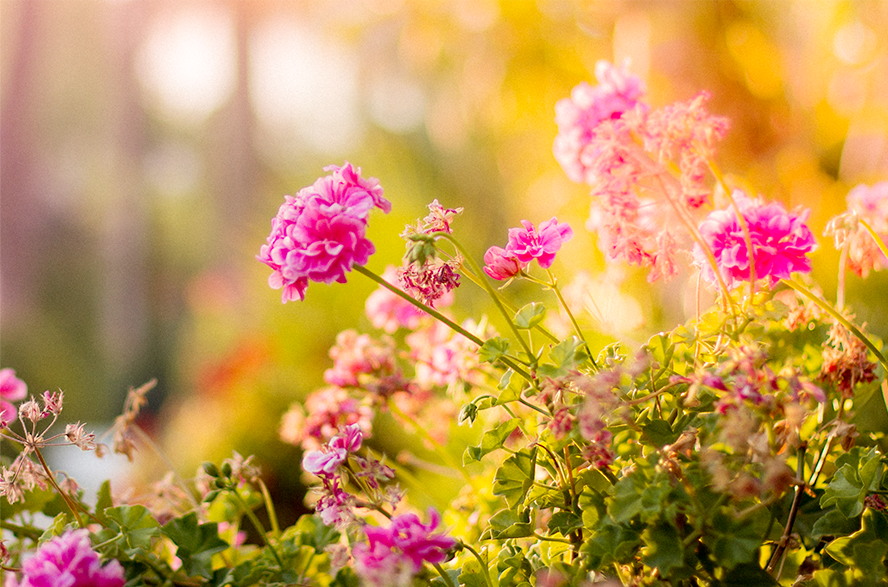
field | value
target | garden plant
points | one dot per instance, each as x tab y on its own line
746	446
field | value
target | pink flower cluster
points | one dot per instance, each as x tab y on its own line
392	556
526	244
324	413
319	234
870	204
646	168
388	311
68	561
577	117
781	242
11	389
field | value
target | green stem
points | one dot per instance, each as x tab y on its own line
444	575
438	316
269	507
553	285
508	304
258	525
824	305
62	494
489	288
481	561
446	456
879	242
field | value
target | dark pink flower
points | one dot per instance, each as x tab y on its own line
11	389
577	117
319	234
501	264
528	243
69	561
401	549
781	242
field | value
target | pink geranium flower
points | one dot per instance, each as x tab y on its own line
393	555
325	462
11	389
501	264
528	243
68	561
319	234
617	92
781	242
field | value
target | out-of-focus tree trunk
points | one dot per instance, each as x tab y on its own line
21	228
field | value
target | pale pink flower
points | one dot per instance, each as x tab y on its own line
684	132
578	116
325	462
11	389
781	242
871	205
501	264
69	561
325	411
319	234
443	357
528	243
389	311
438	220
357	355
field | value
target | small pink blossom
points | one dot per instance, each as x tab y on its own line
578	116
68	561
501	264
324	412
358	355
433	281
11	389
869	204
325	462
389	311
443	357
528	243
781	242
319	234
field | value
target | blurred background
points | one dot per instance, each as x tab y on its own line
147	144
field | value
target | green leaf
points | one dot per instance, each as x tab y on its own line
564	523
660	432
493	349
733	542
530	315
565	357
136	524
864	550
196	543
748	575
490	441
515	476
663	548
508	524
834	523
472	575
845	491
103	500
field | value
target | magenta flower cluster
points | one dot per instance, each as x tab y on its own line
11	389
393	555
68	561
526	244
319	234
780	240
